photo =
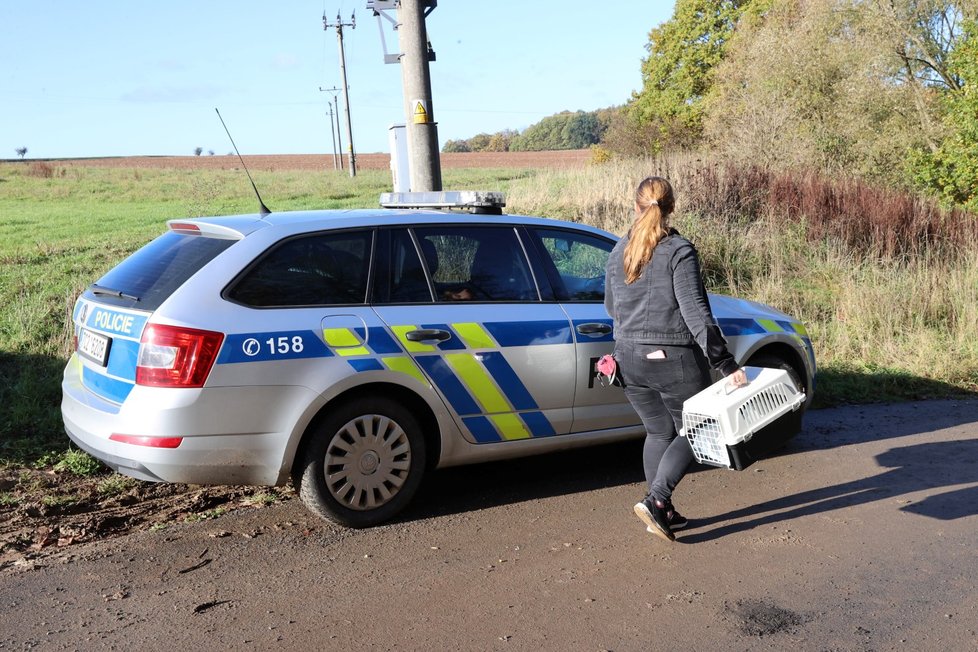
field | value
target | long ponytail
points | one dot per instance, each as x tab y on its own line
655	200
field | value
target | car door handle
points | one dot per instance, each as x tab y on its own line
423	334
594	329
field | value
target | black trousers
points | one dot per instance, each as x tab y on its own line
656	387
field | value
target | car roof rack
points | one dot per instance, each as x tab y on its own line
475	201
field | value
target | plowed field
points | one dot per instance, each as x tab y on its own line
557	159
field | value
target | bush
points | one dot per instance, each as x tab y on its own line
600	154
864	218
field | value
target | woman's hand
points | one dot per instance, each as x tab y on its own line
737	378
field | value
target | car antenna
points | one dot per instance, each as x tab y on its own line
264	209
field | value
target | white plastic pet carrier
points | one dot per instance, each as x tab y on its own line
720	418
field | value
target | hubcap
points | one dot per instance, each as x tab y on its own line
367	462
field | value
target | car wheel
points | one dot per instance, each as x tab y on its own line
363	463
771	361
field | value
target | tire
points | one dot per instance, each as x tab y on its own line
771	361
363	463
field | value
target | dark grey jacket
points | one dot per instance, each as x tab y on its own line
667	304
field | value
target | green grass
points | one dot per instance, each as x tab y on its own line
115	484
262	498
884	328
78	463
208	515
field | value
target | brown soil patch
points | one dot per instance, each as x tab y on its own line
48	511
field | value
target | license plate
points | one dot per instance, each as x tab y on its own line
94	346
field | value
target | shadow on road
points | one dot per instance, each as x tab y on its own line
927	466
919	467
462	489
874	422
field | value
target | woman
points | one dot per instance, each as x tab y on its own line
666	339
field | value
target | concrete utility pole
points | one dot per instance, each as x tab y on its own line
332	132
339	25
422	130
334	127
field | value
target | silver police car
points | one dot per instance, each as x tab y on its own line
349	351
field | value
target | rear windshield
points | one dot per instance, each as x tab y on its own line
147	278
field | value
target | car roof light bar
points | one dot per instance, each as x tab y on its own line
478	201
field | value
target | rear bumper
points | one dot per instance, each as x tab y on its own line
230	435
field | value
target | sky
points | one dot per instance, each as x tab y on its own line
114	78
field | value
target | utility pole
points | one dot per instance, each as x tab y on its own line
422	130
332	131
334	127
339	25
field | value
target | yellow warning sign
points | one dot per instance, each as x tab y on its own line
420	112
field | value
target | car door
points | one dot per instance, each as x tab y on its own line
574	261
462	301
302	316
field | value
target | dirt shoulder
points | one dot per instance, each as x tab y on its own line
46	511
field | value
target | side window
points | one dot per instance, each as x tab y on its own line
311	270
579	261
407	281
476	263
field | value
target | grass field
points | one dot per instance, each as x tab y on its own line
887	324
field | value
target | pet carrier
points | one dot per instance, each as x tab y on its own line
720	420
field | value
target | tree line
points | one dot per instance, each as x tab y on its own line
886	90
565	130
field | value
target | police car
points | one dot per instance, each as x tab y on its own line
350	351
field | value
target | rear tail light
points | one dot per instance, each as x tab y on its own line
171	356
152	442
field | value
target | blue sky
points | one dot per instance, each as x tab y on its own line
113	78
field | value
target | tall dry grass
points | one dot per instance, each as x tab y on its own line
885	282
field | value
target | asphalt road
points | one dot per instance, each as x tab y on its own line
861	535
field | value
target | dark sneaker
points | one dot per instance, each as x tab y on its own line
676	520
655	519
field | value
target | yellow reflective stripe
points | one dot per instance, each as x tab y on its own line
769	325
345	341
509	426
355	350
478	382
474	335
412	347
405	365
799	328
341	337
